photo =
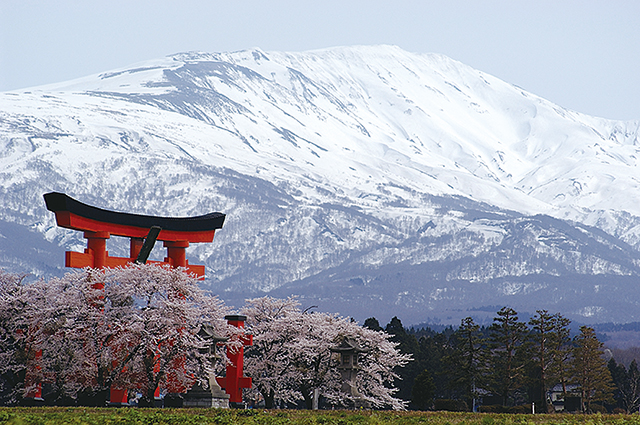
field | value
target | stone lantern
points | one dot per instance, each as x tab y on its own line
348	364
215	396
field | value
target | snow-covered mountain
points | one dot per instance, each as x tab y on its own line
368	180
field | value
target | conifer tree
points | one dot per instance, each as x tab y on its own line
619	377
507	342
627	385
550	335
632	389
407	344
423	391
561	348
589	369
434	346
373	324
466	364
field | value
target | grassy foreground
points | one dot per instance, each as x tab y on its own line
91	416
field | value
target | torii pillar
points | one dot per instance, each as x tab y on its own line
234	382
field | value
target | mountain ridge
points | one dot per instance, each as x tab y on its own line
335	165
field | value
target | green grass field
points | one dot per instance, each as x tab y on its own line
91	416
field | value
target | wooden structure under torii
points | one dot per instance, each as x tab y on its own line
99	225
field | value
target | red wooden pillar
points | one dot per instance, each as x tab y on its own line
234	382
176	253
118	396
97	247
134	248
32	378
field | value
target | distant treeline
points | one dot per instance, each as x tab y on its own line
422	328
512	363
617	327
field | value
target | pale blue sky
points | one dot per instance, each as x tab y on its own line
581	54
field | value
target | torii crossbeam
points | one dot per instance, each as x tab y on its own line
98	225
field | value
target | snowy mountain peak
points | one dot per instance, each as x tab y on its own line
366	156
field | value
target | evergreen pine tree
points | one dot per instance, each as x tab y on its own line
561	348
507	342
550	335
433	348
627	385
541	327
466	365
423	391
619	378
632	390
408	344
373	324
589	369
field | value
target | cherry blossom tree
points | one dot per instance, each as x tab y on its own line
159	311
275	325
13	349
378	366
291	356
132	328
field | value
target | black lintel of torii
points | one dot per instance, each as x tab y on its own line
56	201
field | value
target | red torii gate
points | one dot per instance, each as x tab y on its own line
98	225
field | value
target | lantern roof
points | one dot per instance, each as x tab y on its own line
348	345
208	333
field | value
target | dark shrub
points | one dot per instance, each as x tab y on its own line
450	405
523	408
596	408
491	408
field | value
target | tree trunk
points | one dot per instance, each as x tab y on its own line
543	394
148	399
308	397
268	398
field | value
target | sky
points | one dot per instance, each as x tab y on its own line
583	55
